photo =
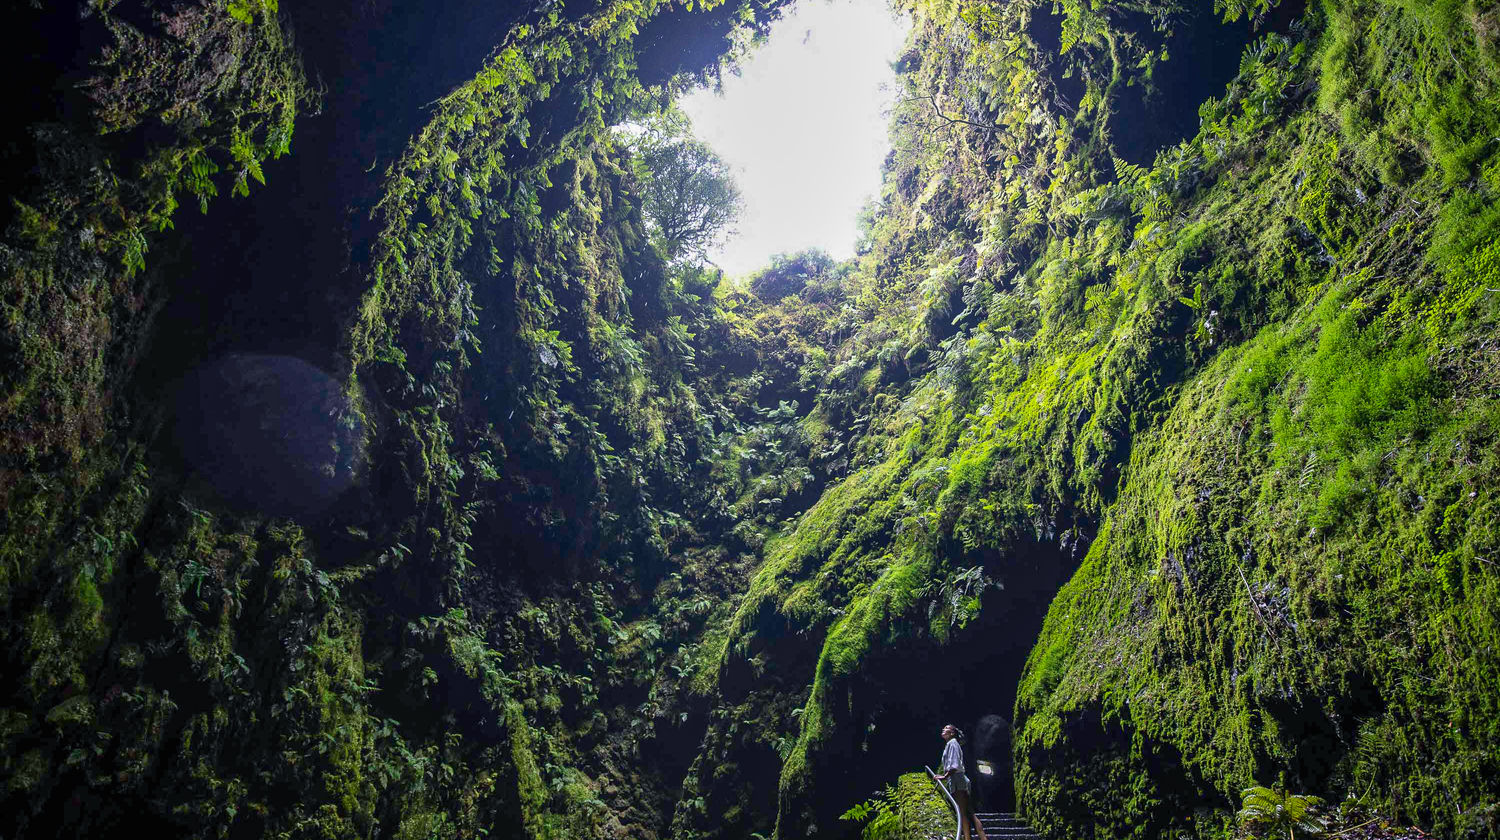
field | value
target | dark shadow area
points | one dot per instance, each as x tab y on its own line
76	809
917	686
280	271
1082	780
1317	732
1204	57
267	433
44	52
1150	115
1045	30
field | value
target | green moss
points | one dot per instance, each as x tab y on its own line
911	809
1443	107
1259	360
75	297
870	620
1278	545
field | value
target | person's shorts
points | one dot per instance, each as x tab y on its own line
958	782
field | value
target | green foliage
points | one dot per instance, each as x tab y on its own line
1250	311
1233	10
910	809
955	600
1276	811
793	274
619	508
690	198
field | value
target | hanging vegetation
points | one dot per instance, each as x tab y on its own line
1158	410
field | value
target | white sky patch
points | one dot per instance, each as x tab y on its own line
804	129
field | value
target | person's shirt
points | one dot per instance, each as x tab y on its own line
953	757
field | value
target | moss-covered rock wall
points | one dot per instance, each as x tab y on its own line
461	638
412	487
1070	366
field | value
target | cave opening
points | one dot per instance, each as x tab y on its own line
278	272
803	122
917	686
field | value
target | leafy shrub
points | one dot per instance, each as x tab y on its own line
1267	811
908	810
791	274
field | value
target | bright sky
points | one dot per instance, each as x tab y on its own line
804	128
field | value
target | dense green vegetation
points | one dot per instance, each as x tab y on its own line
912	807
1200	367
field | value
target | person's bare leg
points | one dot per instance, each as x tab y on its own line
962	798
966	808
978	826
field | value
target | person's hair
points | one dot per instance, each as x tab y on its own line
958	734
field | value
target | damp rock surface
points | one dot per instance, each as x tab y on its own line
268	433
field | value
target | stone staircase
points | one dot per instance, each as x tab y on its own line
1000	826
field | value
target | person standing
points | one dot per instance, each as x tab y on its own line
951	771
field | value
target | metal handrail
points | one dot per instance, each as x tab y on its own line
958	816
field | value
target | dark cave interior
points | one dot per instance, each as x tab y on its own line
969	682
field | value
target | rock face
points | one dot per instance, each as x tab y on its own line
268	433
1158	416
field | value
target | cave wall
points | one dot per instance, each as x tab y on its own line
1239	375
612	549
1294	585
342	507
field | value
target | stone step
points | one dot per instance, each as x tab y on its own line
1005	825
